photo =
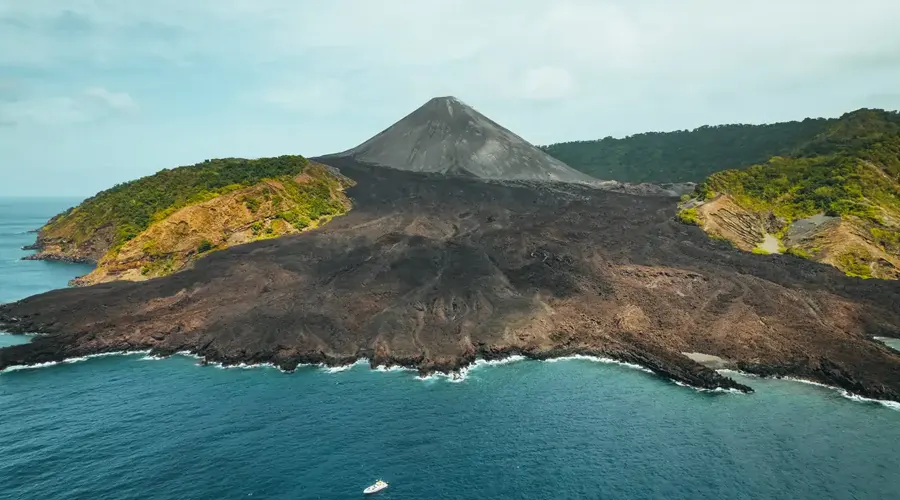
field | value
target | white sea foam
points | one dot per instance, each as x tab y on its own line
894	405
393	368
497	362
458	376
29	367
239	366
730	371
720	390
598	359
77	359
453	377
343	368
462	374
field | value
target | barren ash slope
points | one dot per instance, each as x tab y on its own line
447	136
433	271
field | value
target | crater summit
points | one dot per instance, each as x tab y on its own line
447	136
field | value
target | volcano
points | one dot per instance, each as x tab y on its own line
448	136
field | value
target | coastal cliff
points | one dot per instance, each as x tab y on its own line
431	272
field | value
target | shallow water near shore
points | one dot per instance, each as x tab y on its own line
132	427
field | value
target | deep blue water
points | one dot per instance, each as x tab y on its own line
129	428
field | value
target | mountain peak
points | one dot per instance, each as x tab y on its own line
448	136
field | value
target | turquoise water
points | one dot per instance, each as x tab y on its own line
131	428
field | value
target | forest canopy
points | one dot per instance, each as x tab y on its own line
685	155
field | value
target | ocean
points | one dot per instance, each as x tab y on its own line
129	427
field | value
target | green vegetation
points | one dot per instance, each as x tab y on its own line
686	155
312	201
205	246
252	203
160	267
850	169
799	252
129	208
888	240
856	264
689	216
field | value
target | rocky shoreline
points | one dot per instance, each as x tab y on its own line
704	380
44	349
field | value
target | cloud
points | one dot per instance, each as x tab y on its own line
548	82
119	101
315	97
89	105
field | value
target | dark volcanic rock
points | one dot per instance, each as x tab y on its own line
431	272
449	137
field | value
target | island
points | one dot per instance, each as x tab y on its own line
437	264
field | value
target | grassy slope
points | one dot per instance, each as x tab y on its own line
851	170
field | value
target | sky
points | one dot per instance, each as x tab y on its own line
97	92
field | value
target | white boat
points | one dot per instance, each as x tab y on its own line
375	488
